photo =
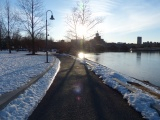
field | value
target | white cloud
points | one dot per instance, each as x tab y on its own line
101	7
130	17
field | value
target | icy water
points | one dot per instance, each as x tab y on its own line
140	65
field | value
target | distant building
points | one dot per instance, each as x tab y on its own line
139	40
97	39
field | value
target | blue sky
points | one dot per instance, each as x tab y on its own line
124	19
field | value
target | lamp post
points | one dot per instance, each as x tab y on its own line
52	18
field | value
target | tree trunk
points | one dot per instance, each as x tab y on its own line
33	47
0	37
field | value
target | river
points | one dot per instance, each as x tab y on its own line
140	65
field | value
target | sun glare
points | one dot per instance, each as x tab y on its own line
81	55
81	30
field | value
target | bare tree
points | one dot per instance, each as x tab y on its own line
8	12
3	31
0	35
85	15
81	16
0	28
31	18
11	22
72	23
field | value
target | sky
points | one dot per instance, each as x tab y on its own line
124	21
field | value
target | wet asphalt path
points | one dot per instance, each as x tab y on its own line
78	94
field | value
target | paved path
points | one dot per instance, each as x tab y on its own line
78	94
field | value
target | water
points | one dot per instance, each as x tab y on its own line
140	65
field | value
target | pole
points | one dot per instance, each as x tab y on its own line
47	34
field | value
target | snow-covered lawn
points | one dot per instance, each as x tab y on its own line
140	100
16	70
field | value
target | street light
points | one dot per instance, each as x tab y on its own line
52	18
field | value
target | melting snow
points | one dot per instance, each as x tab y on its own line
141	101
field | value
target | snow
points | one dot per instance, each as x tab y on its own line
141	101
17	69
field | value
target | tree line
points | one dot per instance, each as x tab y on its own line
28	16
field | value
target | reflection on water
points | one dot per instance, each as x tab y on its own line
139	57
140	65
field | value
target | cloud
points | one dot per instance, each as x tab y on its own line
132	16
101	7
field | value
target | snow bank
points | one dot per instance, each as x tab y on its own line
141	101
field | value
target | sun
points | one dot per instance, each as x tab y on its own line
81	30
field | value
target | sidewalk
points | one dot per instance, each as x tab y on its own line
78	94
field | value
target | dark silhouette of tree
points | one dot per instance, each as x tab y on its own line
81	16
8	13
32	18
3	32
0	28
17	40
11	22
0	36
72	23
